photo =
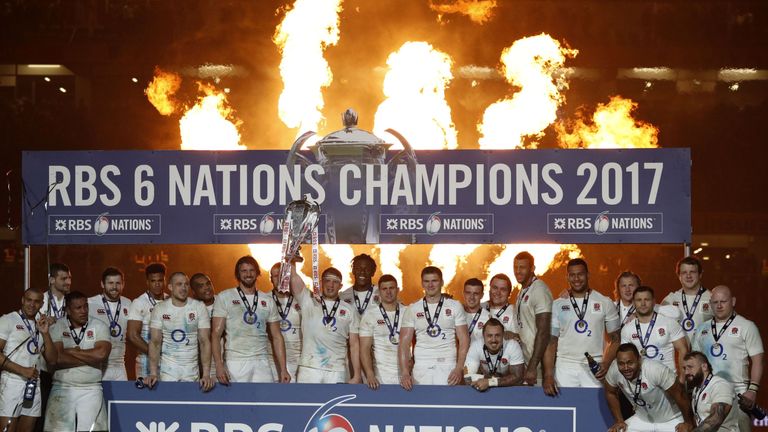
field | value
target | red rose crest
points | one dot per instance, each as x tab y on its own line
735	330
343	312
191	316
448	312
597	307
662	332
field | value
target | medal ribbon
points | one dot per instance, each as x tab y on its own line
335	307
151	299
520	299
696	299
716	335
433	320
34	335
77	337
500	312
492	366
283	312
638	387
365	302
392	328
584	303
315	262
112	322
644	339
698	391
630	311
57	312
247	304
474	321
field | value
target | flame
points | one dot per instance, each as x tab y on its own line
340	256
415	89
267	254
389	257
530	63
205	126
612	127
305	32
479	11
448	257
161	90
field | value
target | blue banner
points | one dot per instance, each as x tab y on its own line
459	196
177	407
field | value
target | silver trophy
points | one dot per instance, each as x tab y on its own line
301	218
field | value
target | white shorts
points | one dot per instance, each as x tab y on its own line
432	373
308	375
575	375
292	364
115	373
12	396
70	406
172	371
388	378
635	424
256	370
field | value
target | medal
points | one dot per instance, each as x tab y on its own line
250	311
33	346
329	319
492	365
644	339
688	323
58	312
285	325
329	322
393	338
433	330
717	348
581	325
114	327
115	330
642	352
636	393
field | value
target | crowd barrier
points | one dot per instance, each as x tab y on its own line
179	407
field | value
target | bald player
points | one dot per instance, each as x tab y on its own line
534	316
692	299
203	290
734	348
380	336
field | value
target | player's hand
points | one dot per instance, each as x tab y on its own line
550	388
747	400
285	377
206	383
51	320
618	427
30	372
373	383
406	381
355	380
150	381
43	325
480	385
530	377
456	376
222	374
683	427
600	374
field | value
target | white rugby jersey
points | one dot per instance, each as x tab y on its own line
717	390
601	317
52	306
325	343
511	355
505	314
97	310
141	310
659	345
348	295
440	347
179	325
245	340
740	340
14	331
375	326
652	404
291	330
81	376
530	302
476	331
700	314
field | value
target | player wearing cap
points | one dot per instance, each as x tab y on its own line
363	293
437	322
476	313
140	312
22	340
499	361
713	398
380	336
290	325
692	300
203	290
111	308
533	312
76	402
178	327
658	397
656	336
579	323
330	328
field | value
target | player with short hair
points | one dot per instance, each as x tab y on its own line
76	402
112	309
59	285
713	398
579	323
363	292
140	313
437	322
179	326
250	320
330	328
656	336
476	313
658	397
380	336
692	300
734	348
500	287
203	290
290	325
533	312
625	286
22	340
499	361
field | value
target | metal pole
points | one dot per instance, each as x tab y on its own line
686	250
27	263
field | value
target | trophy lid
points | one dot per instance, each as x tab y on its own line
351	135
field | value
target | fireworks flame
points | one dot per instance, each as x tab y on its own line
479	11
161	90
207	125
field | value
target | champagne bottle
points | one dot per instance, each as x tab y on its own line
593	365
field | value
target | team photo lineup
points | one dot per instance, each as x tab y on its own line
683	362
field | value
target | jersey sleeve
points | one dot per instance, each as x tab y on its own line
366	327
203	321
612	320
472	363
56	332
515	353
541	300
5	327
354	326
156	321
626	333
723	392
663	376
555	324
220	306
135	312
409	319
752	339
461	318
613	375
102	333
304	299
273	316
675	331
668	299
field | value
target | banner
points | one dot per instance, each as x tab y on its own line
458	196
177	407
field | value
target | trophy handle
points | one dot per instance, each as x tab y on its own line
406	154
294	155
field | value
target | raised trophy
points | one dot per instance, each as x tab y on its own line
299	225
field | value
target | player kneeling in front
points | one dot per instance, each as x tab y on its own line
499	361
